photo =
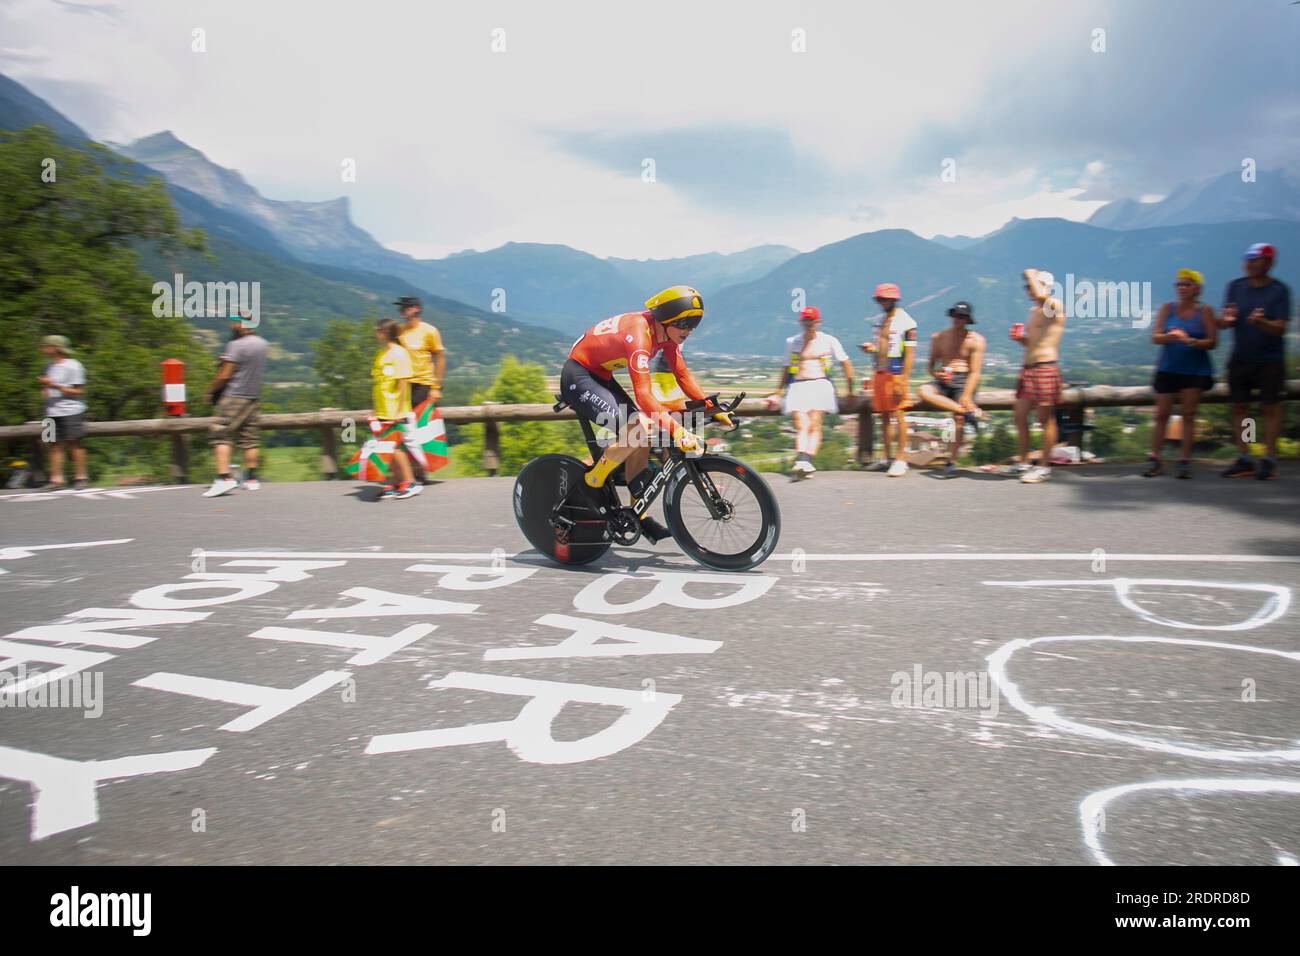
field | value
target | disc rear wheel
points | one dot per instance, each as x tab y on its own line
580	535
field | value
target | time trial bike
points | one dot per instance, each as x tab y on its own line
719	510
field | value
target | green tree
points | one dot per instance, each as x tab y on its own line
71	221
1107	435
342	357
994	445
521	384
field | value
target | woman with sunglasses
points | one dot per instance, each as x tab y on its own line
1186	332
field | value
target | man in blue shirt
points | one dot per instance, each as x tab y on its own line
1257	308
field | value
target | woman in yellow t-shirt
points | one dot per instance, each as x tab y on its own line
391	396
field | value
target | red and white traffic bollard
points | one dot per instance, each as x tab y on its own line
173	391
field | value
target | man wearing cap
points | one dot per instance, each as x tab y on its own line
1257	308
956	358
63	385
894	346
1039	386
428	359
235	392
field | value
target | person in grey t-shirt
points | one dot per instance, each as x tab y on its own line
235	392
63	385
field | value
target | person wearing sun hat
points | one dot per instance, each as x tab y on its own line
808	393
894	347
1257	308
1186	332
63	386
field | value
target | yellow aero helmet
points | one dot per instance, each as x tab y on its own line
675	304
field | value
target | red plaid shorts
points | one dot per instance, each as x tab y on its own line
1040	383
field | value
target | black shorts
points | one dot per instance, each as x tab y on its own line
1268	378
418	394
1171	383
69	427
953	388
602	402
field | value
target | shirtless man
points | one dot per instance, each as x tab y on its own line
1040	382
956	358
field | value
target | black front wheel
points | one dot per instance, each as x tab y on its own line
722	513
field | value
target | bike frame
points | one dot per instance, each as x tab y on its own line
669	456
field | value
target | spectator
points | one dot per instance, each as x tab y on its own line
1039	386
1186	331
428	359
235	392
1257	308
63	384
956	360
805	380
391	374
895	349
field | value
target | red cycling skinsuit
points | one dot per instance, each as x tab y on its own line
622	341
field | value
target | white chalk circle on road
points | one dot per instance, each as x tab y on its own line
1275	605
997	662
1092	809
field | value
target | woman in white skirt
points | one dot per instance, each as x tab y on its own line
808	393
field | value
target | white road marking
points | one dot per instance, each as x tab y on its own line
64	790
17	552
94	494
1085	556
1279	598
1046	715
1092	808
870	557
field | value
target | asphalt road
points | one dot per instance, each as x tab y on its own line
813	711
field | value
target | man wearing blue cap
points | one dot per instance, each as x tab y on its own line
1257	308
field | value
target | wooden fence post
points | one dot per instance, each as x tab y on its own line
866	451
491	444
329	450
180	466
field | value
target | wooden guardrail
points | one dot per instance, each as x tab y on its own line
328	420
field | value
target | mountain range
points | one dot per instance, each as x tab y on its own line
543	283
334	267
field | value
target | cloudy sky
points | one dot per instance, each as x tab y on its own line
458	145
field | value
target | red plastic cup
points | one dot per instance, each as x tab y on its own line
1018	330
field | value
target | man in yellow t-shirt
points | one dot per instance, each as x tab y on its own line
428	359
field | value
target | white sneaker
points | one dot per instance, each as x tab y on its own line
809	467
250	484
221	486
898	469
1034	475
411	490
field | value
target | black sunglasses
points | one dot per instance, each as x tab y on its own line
689	323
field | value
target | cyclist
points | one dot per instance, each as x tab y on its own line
631	341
